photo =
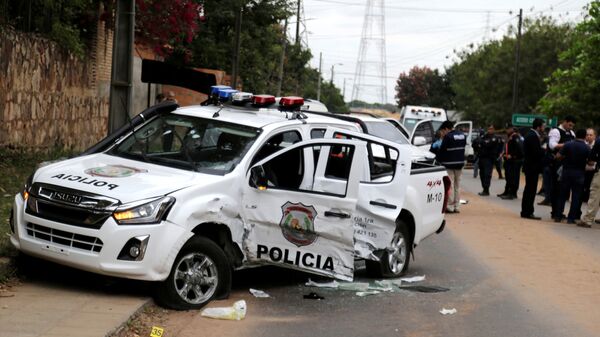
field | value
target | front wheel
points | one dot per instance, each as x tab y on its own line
395	259
201	270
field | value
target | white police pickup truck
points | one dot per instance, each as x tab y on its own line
194	193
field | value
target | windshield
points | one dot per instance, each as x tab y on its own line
196	144
385	130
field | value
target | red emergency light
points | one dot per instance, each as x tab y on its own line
291	101
263	100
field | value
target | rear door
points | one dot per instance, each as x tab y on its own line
382	189
293	222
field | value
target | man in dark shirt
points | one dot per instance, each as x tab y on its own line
451	154
574	156
513	160
532	167
488	151
594	201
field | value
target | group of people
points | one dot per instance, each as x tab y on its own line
567	160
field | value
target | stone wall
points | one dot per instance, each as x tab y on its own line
50	98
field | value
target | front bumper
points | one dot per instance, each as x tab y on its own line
96	250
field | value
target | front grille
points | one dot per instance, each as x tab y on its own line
68	206
75	216
64	238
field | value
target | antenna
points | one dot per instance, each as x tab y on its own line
370	75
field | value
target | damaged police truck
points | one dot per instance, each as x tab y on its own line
185	196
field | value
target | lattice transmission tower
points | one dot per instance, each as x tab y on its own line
370	75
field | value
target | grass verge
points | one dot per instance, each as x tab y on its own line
15	167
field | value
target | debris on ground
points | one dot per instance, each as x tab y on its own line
259	293
445	311
425	289
332	284
413	279
313	296
354	286
464	202
367	293
235	312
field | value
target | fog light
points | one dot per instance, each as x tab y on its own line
134	249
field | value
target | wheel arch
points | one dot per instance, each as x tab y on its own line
409	220
221	235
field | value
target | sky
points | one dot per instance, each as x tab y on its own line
417	33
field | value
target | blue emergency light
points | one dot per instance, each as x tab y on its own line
225	94
215	89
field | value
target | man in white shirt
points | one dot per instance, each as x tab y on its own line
556	140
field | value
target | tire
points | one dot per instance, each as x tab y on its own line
200	272
395	258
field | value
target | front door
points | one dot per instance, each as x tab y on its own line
293	221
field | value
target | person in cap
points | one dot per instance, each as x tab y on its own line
513	161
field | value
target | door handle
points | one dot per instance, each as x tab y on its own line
337	214
382	204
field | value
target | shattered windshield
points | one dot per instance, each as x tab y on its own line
196	144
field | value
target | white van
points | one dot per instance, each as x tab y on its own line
410	115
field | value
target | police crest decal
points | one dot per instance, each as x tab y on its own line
298	223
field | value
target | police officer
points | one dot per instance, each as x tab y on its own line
488	150
513	160
451	154
557	138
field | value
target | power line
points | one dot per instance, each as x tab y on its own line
422	9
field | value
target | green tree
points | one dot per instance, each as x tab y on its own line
574	88
482	78
423	86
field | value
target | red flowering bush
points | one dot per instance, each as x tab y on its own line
168	26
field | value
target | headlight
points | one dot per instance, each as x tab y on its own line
148	211
27	187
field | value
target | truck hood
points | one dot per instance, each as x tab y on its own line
119	178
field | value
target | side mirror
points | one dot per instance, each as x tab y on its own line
258	178
419	140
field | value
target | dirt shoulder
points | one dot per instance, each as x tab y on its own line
533	258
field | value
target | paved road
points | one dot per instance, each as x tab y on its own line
507	277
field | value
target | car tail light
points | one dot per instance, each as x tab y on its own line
447	185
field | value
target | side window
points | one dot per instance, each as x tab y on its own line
425	130
286	171
317	133
276	143
382	159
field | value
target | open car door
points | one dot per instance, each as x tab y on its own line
423	134
382	189
293	221
466	127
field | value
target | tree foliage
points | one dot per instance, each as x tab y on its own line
423	86
482	78
574	88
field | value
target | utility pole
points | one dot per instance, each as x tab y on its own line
332	67
282	59
121	82
236	52
517	61
319	80
298	23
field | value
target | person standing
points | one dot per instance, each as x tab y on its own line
594	201
489	148
532	167
590	140
557	138
451	154
574	156
498	161
513	161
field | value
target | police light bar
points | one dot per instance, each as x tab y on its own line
225	94
263	100
241	97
